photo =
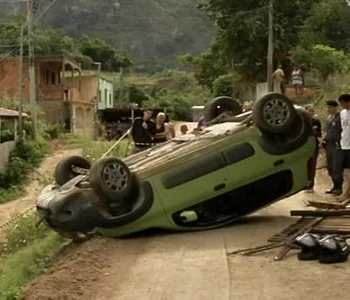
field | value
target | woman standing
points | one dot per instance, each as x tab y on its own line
297	80
162	130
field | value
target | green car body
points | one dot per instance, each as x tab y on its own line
195	182
261	164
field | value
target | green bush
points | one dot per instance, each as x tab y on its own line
53	132
227	85
7	135
23	159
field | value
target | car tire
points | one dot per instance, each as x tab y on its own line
111	178
64	170
273	113
290	140
226	104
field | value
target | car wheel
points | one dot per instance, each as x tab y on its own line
111	178
219	105
64	170
274	113
290	140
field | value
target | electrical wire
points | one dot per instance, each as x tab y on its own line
46	9
13	1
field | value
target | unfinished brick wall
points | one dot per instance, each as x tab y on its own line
9	78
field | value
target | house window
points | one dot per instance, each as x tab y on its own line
99	96
53	78
110	99
106	95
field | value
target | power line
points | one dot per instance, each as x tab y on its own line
46	9
13	1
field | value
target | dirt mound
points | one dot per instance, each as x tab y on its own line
72	273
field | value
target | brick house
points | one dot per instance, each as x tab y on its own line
61	103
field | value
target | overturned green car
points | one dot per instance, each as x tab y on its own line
238	165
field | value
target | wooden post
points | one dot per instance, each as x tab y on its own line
15	129
71	106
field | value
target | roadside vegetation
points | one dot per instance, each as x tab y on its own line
26	251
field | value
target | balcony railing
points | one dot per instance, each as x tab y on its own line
51	92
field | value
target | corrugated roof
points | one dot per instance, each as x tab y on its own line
4	112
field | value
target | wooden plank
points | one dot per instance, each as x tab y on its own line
289	241
328	205
320	213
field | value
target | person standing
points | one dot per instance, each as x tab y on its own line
201	123
143	132
162	132
345	142
331	144
279	78
297	80
317	128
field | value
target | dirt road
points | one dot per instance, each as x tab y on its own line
193	266
37	180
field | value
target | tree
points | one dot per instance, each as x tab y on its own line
52	41
100	51
324	59
227	85
208	65
328	24
243	27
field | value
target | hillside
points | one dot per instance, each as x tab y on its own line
153	32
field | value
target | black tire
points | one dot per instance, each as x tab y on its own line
290	140
274	113
219	105
64	170
111	178
125	205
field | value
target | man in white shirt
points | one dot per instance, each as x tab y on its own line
345	142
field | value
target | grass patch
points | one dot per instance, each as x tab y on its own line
93	150
26	254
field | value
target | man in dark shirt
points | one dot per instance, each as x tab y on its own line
317	127
143	132
331	144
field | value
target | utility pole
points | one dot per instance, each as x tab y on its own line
270	50
32	89
121	84
20	109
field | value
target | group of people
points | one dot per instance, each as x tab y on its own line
146	133
297	79
336	143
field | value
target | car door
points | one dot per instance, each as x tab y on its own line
192	182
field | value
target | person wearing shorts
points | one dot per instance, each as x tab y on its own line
345	142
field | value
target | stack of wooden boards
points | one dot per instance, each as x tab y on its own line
320	221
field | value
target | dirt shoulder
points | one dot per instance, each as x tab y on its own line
193	266
36	181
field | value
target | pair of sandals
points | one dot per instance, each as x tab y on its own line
329	249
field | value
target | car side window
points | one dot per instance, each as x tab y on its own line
194	170
208	165
238	153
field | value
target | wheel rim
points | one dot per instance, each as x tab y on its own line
115	176
276	112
